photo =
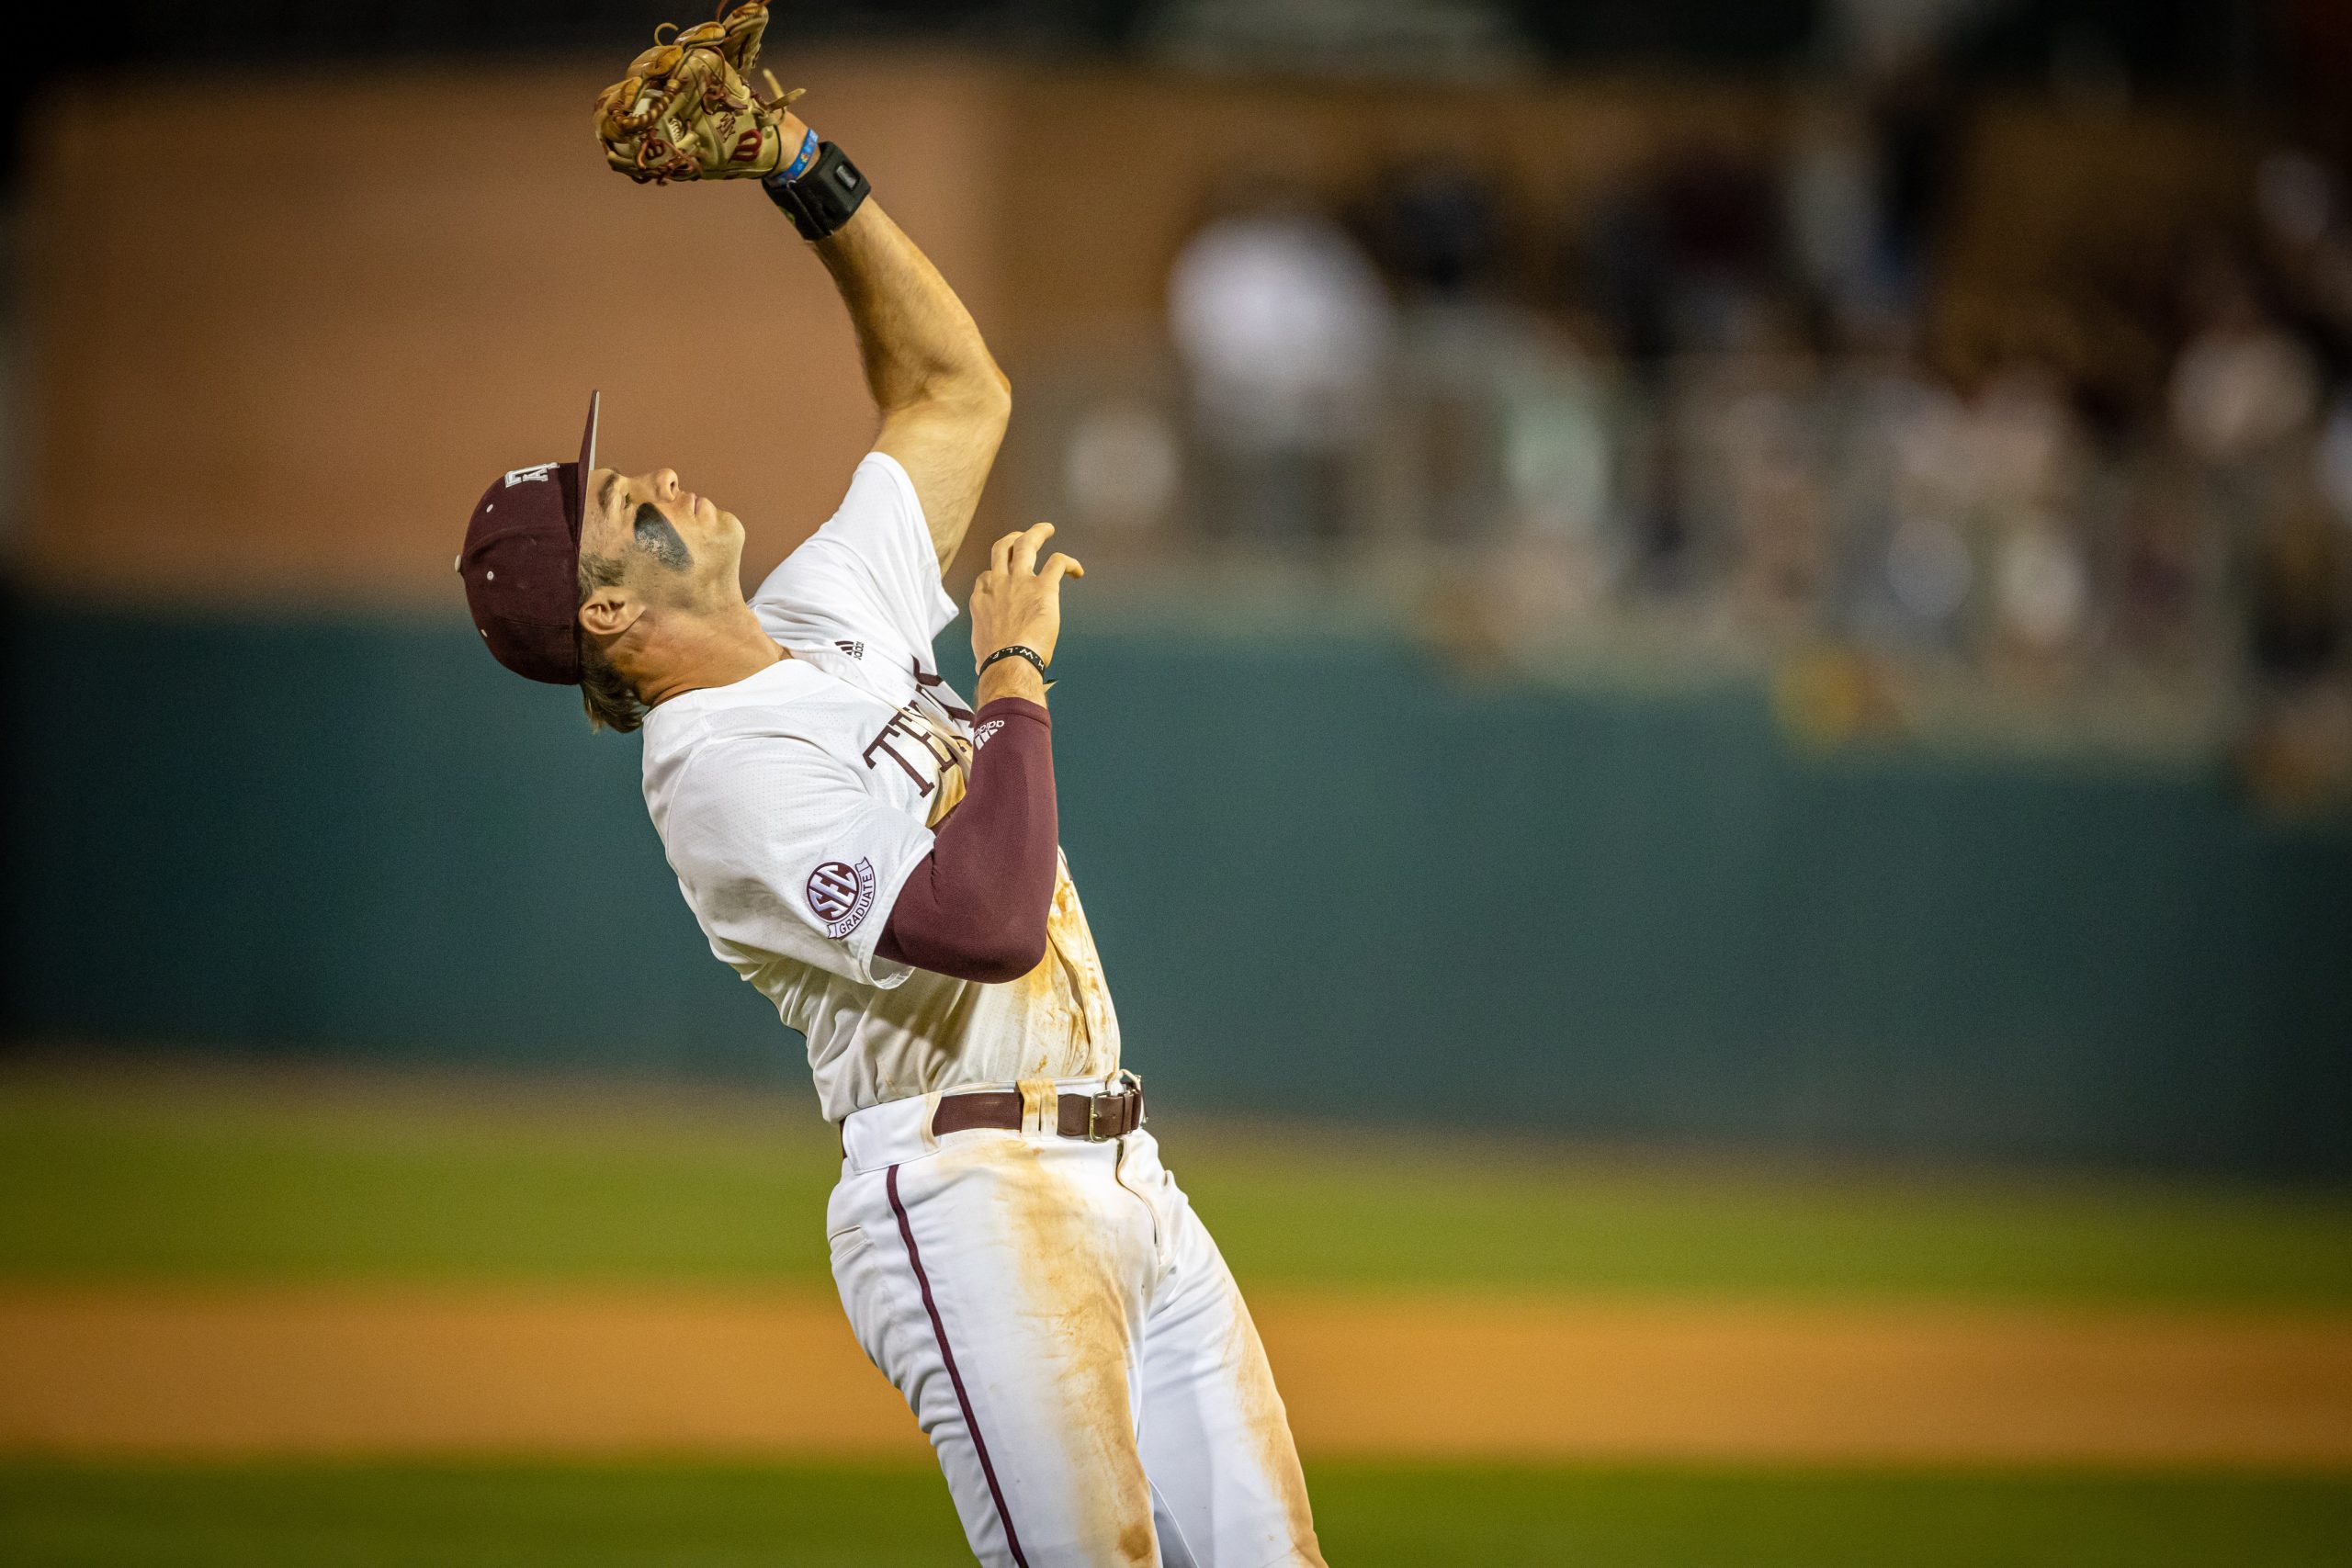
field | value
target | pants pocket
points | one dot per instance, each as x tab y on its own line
844	1245
866	1296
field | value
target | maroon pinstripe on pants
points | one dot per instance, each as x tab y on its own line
963	1399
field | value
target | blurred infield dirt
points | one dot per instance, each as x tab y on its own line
376	1370
201	1262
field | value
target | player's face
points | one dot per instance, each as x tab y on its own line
676	543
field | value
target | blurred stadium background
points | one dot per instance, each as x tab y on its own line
1725	621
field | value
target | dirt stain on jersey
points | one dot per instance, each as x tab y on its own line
1094	1030
1068	1029
1073	1274
1266	1425
1049	1044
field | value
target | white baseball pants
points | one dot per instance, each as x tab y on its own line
1067	1335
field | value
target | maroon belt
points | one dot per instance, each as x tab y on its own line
1096	1118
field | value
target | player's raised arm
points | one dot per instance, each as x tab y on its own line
942	400
686	111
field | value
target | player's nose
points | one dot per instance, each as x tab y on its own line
664	482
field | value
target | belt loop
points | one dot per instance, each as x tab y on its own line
1040	1105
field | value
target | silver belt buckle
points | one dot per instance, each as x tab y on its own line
1130	1087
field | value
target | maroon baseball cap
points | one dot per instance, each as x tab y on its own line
521	563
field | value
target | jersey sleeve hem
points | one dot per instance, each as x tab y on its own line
854	957
886	974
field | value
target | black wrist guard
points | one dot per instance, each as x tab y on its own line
822	200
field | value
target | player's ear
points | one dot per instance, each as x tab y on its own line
609	611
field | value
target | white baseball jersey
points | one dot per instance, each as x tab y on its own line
1081	1362
793	804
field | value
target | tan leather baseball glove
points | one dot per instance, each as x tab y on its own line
685	112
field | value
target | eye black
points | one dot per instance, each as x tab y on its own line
657	539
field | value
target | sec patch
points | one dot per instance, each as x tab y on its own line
842	894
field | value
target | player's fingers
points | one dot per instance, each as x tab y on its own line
1025	545
1058	566
1001	552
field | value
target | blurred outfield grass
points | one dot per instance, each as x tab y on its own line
513	1516
141	1173
138	1173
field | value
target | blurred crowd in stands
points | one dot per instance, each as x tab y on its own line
1731	404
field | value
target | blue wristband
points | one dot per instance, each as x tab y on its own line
800	164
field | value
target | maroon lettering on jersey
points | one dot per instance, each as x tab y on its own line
906	726
924	682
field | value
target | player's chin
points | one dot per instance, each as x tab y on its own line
705	522
720	535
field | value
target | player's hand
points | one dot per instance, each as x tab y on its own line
1016	601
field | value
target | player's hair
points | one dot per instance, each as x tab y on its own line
612	702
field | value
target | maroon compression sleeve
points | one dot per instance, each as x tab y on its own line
975	908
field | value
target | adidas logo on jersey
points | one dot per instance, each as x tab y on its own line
854	650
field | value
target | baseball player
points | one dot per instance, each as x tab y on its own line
879	858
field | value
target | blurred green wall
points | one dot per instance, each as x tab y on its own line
1315	867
